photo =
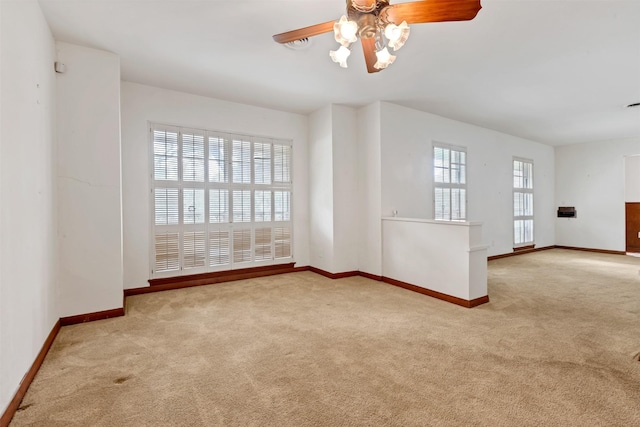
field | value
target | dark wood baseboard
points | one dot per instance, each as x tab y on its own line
91	317
220	274
573	248
436	294
6	417
334	275
179	282
600	251
520	251
418	289
370	276
158	285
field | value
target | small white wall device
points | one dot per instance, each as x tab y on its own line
59	67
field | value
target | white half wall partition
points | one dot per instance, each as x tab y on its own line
446	259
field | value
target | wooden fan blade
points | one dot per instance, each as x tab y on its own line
369	48
302	33
433	11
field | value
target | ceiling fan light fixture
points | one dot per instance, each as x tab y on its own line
345	31
381	27
384	59
340	56
397	34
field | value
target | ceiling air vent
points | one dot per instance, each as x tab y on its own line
298	44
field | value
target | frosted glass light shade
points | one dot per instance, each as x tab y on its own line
397	34
384	59
340	56
345	31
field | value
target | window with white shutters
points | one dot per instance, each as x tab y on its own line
522	202
219	201
282	242
449	183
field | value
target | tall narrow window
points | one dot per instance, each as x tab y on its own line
450	183
522	202
219	201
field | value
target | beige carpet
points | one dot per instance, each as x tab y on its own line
557	345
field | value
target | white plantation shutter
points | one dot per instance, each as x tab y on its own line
458	167
218	159
241	161
193	208
242	206
522	174
449	183
242	245
522	232
282	209
282	237
193	249
219	201
219	248
281	163
441	164
262	244
262	204
167	250
218	206
442	203
192	157
165	155
522	202
458	204
167	208
262	163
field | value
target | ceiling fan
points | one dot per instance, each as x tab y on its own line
375	21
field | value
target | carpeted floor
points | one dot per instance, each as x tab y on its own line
557	345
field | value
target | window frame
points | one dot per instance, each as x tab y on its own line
282	228
449	185
526	205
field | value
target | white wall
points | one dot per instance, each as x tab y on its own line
142	104
369	190
28	308
346	210
407	137
333	189
89	195
321	203
591	177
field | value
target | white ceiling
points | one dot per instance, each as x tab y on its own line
554	71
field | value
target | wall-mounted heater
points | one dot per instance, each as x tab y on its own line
566	212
